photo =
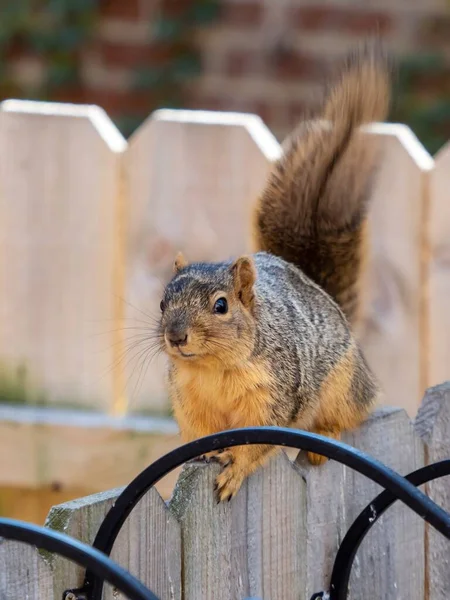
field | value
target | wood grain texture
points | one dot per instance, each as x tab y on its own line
324	516
74	449
59	194
433	425
192	177
252	546
149	544
439	282
79	519
390	561
23	573
391	331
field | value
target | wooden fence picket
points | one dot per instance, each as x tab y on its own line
397	539
278	538
433	425
149	544
438	287
24	573
59	198
393	312
192	177
254	545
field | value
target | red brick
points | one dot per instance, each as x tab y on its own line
197	101
296	111
291	65
16	48
175	8
434	31
240	62
72	94
120	9
432	83
245	14
114	102
133	55
348	20
264	109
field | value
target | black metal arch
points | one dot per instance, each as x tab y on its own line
80	553
364	522
398	487
100	567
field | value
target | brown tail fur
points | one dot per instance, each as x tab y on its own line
313	210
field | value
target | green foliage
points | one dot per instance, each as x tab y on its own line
56	31
165	81
422	98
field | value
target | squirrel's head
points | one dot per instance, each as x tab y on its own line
207	312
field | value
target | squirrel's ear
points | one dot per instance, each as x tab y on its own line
179	263
244	276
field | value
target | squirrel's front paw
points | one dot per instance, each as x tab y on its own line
228	482
208	457
316	459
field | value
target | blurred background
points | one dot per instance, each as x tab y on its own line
89	224
259	56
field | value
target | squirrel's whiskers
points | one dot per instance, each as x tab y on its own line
266	339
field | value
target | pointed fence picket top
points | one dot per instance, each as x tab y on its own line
59	197
393	328
148	545
192	177
252	546
100	222
438	288
278	538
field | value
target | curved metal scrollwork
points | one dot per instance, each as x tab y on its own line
365	521
99	567
397	485
80	553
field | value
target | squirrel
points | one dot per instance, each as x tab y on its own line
266	339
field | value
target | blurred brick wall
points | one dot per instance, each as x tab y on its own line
263	56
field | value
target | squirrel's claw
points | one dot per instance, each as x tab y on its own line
223	457
228	482
207	458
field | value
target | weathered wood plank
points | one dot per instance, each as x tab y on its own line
252	546
336	495
192	177
433	425
149	544
390	562
393	327
80	519
59	167
74	449
323	514
23	573
439	282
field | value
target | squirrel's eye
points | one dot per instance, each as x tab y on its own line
162	306
221	306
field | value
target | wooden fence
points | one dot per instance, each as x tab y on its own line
277	539
89	226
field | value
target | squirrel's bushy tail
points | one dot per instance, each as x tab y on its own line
312	211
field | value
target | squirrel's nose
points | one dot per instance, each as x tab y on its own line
177	337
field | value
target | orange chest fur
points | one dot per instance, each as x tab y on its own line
231	398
